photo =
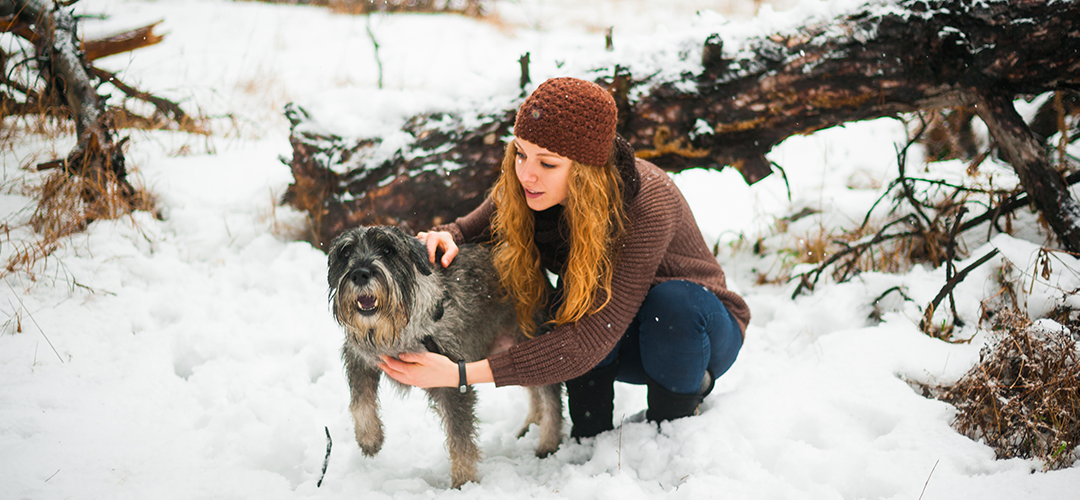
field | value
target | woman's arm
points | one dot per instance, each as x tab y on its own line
474	227
427	370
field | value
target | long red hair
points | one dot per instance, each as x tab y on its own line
594	214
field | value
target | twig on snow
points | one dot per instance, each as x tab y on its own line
31	316
326	461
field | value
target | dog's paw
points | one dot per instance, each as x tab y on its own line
461	474
547	447
370	445
370	439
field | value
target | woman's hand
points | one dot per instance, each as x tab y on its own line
427	370
424	370
439	240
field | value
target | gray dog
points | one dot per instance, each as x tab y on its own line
391	300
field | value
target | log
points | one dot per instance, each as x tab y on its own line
119	43
1044	185
883	60
168	112
416	192
96	157
171	111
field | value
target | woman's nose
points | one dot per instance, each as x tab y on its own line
528	170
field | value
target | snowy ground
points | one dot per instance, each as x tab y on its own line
195	356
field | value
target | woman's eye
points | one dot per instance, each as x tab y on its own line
521	156
547	165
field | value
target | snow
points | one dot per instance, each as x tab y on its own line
195	356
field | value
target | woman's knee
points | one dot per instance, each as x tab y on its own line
678	307
725	342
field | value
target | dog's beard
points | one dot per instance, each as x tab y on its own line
372	315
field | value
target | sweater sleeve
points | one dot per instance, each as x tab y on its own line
573	349
475	227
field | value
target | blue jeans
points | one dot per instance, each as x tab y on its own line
680	330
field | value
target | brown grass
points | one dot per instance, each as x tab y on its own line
1023	397
474	8
817	244
66	204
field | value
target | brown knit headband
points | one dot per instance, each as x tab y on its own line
571	117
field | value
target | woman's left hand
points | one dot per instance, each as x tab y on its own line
424	370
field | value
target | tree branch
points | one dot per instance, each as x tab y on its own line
883	60
927	322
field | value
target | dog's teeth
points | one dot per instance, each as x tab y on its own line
367	303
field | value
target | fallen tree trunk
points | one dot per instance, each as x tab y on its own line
28	25
119	43
96	157
1046	188
884	60
428	187
90	182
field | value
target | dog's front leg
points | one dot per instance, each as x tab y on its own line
457	411
536	402
547	402
364	405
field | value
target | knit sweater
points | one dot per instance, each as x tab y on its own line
662	243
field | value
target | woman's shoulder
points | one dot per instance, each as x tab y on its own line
656	185
646	168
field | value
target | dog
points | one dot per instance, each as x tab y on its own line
390	299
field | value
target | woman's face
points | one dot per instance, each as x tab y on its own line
543	174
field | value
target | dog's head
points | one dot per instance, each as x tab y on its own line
373	275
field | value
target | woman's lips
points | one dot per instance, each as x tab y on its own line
533	194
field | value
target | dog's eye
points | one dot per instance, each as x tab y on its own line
388	251
345	251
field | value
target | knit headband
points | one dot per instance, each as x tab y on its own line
571	117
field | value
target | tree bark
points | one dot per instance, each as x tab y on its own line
879	62
96	157
430	186
885	60
119	43
1044	185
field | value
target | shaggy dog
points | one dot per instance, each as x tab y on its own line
391	300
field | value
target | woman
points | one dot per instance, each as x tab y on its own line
639	297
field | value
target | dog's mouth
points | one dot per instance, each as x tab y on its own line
367	303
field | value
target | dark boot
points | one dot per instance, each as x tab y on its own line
666	405
592	401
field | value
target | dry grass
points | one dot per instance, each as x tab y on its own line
64	208
949	134
818	244
66	203
1023	397
474	8
285	222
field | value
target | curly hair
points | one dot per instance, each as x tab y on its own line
595	216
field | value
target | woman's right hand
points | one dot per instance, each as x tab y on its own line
439	240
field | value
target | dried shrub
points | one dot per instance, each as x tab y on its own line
949	135
473	8
67	203
1023	397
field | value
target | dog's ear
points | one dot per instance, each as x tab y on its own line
337	258
418	254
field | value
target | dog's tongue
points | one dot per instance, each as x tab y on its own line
367	302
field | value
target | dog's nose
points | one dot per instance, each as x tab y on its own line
360	276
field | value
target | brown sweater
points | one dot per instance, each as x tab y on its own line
662	243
